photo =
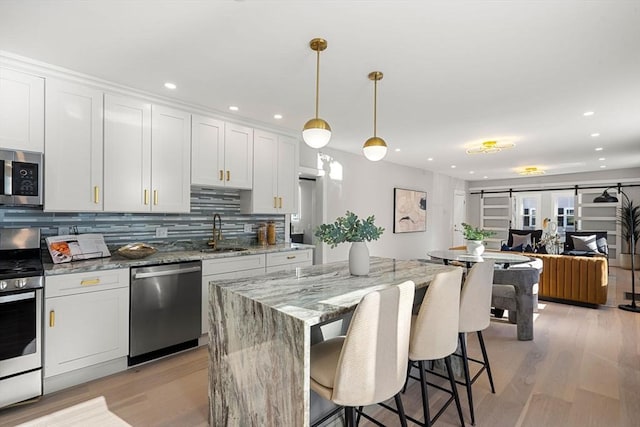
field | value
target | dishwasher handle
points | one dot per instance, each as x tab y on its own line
166	272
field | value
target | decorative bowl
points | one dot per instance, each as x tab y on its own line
136	250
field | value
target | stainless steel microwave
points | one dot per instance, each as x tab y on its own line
21	178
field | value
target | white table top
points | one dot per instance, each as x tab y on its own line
462	256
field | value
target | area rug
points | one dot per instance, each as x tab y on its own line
94	413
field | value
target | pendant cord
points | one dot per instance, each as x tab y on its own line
375	107
317	80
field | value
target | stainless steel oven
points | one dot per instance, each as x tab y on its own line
21	178
21	284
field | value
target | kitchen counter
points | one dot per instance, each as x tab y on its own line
260	331
118	261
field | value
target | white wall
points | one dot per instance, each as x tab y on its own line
366	188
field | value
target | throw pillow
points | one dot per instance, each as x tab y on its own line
521	239
603	248
585	243
506	248
541	249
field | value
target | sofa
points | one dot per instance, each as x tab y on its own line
574	279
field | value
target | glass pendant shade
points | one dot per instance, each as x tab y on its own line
316	133
375	149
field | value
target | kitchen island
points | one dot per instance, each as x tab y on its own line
260	335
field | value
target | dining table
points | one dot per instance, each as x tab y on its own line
504	259
260	335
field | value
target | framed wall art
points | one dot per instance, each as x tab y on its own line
409	211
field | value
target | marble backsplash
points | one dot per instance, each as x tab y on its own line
184	231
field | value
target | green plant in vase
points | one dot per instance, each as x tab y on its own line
475	236
350	228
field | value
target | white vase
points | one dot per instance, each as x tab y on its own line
359	259
475	247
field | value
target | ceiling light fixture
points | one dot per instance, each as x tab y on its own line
317	132
430	159
588	113
595	135
599	149
489	147
531	170
233	108
375	148
170	85
277	116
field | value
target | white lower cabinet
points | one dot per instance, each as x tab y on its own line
225	269
280	261
86	320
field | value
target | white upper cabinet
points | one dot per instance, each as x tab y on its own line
21	111
274	175
207	151
73	148
127	154
238	156
170	160
221	153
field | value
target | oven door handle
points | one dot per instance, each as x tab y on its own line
18	297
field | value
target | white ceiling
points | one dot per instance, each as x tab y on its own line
455	72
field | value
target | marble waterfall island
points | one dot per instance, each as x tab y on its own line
260	331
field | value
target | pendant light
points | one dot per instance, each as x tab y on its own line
375	148
317	132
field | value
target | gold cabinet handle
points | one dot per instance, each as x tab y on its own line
96	194
275	202
221	175
146	196
52	319
90	282
155	197
291	257
228	175
280	199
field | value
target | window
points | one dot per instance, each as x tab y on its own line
565	212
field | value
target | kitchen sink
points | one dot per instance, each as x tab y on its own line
222	250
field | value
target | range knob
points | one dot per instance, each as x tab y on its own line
21	283
3	285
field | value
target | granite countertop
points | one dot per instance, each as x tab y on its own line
322	292
118	261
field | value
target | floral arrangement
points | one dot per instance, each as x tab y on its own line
475	233
348	228
550	240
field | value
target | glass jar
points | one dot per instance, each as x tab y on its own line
271	233
262	234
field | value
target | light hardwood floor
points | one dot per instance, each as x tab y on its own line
582	369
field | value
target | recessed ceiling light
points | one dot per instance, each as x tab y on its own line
599	149
453	166
485	177
233	108
603	166
595	135
277	116
471	172
588	113
602	159
170	85
430	159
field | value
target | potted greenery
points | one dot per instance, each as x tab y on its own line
475	236
349	228
629	220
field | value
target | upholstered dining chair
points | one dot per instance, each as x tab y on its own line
369	364
434	335
475	314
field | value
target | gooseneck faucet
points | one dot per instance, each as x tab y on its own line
217	231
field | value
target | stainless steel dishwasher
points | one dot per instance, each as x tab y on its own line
165	309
